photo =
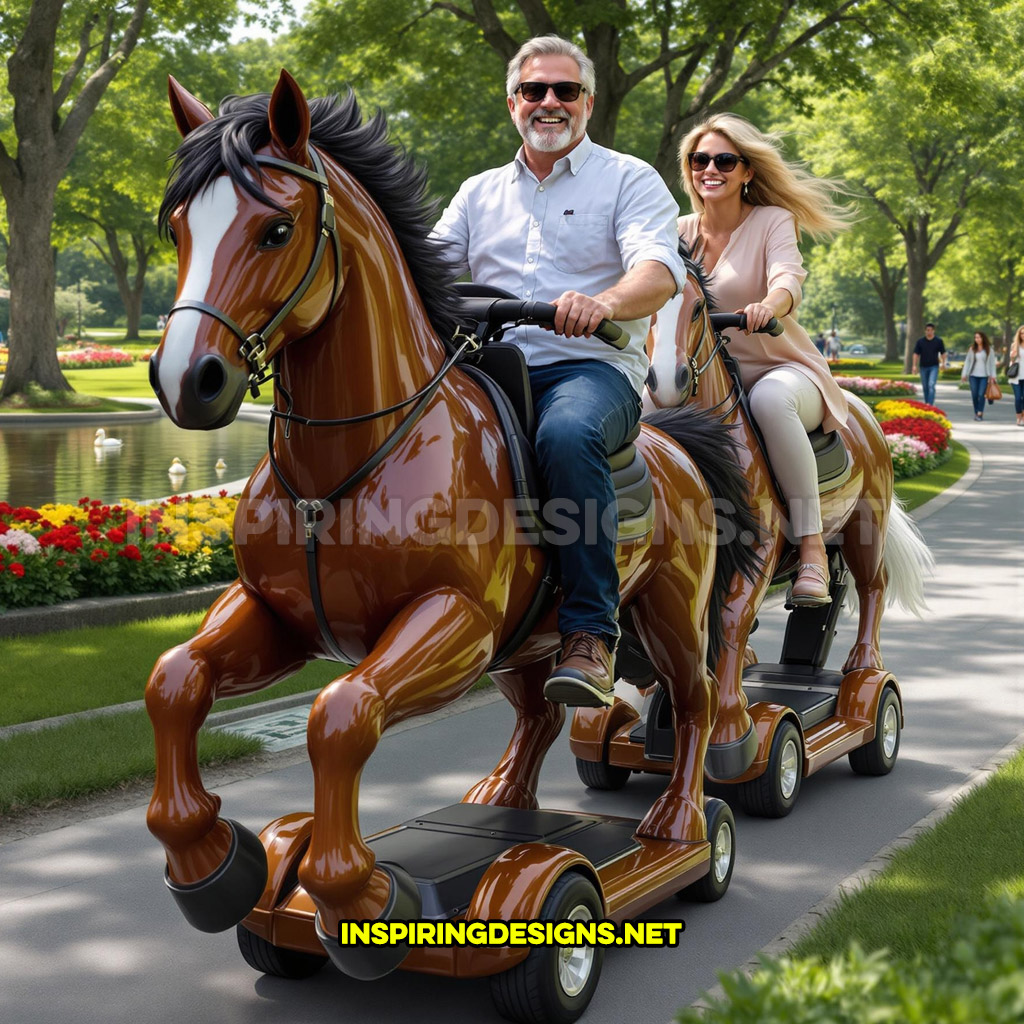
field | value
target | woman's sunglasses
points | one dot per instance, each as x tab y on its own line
565	92
725	162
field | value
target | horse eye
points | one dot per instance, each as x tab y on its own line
698	310
277	235
172	236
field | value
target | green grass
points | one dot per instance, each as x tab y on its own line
974	853
86	757
918	489
78	670
126	382
40	401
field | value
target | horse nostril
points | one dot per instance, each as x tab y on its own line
652	380
210	379
154	374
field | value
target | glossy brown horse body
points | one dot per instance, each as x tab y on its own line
860	515
417	594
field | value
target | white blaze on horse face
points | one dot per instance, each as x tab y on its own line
666	357
210	214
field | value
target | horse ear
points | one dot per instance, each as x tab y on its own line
289	118
189	113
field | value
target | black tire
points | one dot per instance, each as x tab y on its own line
773	794
879	756
267	958
722	836
547	988
601	774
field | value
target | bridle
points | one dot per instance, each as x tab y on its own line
253	348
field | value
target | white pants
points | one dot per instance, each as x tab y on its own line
786	405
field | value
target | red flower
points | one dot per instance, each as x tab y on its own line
147	532
3	528
28	514
99	555
17	569
60	563
223	493
115	536
131	552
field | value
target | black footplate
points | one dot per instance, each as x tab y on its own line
811	692
448	851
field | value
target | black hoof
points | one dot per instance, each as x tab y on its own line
729	760
222	899
368	963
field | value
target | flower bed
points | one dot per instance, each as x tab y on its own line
918	436
871	387
61	552
94	358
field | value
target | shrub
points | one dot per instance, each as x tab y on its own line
873	386
60	552
94	358
976	977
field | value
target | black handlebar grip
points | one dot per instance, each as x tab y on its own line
607	331
721	321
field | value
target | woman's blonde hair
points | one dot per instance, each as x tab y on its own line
776	181
1017	338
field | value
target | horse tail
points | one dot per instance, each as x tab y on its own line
711	445
908	561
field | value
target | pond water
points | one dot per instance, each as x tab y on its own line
59	462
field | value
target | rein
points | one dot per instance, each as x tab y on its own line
253	348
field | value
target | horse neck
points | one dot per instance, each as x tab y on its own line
375	349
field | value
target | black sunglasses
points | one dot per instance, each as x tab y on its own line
534	92
725	162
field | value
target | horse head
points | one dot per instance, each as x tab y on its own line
249	209
676	338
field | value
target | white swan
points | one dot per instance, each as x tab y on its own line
220	466
176	468
102	441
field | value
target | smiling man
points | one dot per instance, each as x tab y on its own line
593	232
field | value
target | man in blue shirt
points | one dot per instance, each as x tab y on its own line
593	232
929	354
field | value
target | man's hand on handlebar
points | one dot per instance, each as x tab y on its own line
579	315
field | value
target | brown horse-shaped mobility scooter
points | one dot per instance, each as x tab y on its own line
364	537
778	722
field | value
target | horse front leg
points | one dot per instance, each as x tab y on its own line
239	648
431	653
513	783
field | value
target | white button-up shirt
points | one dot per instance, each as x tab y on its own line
596	215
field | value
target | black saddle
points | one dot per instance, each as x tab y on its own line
499	367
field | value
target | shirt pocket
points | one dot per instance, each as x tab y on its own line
582	242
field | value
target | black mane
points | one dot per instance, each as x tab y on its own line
696	267
230	141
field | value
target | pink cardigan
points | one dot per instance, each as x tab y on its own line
762	254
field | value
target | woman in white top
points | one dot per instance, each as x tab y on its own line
979	369
1017	356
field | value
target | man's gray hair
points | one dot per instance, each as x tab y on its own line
543	46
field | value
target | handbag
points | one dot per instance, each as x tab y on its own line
1013	370
992	391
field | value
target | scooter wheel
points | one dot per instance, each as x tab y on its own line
722	836
773	794
555	983
267	958
879	756
601	774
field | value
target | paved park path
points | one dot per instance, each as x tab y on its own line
88	934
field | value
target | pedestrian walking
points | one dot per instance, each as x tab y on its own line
979	369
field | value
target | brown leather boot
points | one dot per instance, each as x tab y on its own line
583	676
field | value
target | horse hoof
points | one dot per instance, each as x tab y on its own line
222	899
729	760
367	963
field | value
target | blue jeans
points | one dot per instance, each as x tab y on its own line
1018	396
978	385
929	375
585	410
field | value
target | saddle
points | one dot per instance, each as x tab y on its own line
499	367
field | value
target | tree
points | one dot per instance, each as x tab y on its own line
922	173
703	55
64	55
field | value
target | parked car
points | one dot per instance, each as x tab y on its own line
858	350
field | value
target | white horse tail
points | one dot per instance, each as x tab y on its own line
908	561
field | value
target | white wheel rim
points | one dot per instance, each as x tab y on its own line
890	729
576	962
723	852
789	768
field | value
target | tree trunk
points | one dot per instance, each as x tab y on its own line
917	277
887	286
33	329
129	287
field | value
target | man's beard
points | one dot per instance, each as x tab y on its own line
547	140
